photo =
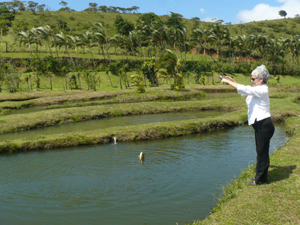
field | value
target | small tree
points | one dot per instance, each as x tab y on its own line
138	80
93	6
114	68
41	7
282	13
175	21
73	82
32	6
149	71
123	26
196	21
91	79
12	81
6	15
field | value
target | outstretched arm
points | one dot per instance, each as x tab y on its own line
230	81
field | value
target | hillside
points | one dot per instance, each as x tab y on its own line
78	22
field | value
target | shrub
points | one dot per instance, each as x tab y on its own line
12	80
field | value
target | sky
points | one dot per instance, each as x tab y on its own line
233	11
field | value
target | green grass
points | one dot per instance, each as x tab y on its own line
127	133
278	202
83	21
275	203
13	123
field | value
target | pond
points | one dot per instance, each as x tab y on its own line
107	184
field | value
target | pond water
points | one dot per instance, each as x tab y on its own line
110	122
107	184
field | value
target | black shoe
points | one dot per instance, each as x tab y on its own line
252	183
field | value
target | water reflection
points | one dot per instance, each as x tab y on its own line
107	183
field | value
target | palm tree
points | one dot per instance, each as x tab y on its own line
62	40
132	42
88	40
120	41
273	49
74	42
219	35
44	34
241	44
26	38
168	61
141	39
159	36
202	36
259	42
296	45
284	45
167	66
101	37
181	39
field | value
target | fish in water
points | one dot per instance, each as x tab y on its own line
142	156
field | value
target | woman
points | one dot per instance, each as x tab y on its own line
259	117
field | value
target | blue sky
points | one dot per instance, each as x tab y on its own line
234	11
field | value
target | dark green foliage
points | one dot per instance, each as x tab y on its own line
20	25
12	80
31	6
167	61
149	19
282	13
6	15
73	82
138	81
175	21
196	21
51	64
123	26
149	71
4	27
62	24
114	67
91	78
198	66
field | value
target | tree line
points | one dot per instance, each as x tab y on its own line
151	38
16	5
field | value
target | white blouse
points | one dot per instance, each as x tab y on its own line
257	101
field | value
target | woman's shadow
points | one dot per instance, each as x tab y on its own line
277	173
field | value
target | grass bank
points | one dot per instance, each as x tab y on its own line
281	109
64	99
86	98
278	202
125	133
275	203
17	122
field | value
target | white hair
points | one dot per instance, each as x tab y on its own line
261	72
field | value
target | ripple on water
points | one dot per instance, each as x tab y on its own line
108	183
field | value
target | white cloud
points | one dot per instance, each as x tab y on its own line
267	12
202	10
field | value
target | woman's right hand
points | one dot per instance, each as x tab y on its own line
228	78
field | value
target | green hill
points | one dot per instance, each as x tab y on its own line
78	22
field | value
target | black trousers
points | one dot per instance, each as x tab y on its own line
264	130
